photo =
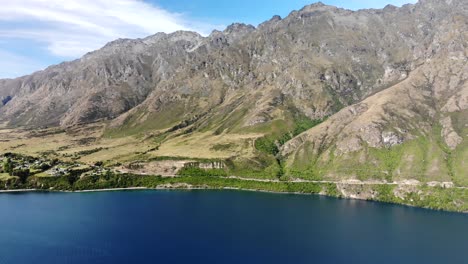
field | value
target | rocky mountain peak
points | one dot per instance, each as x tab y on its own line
274	20
323	58
238	28
389	8
154	38
184	35
319	6
315	5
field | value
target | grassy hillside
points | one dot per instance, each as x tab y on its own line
424	159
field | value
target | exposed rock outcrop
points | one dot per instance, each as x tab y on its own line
321	58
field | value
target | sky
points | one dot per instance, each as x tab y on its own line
37	33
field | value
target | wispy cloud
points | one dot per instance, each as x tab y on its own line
70	28
50	31
12	65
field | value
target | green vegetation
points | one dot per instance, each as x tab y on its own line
422	196
424	158
200	160
303	124
460	163
4	176
262	166
141	122
230	121
88	152
7	166
267	145
270	144
195	171
269	148
24	172
385	193
305	165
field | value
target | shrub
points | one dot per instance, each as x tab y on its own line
7	166
266	145
195	171
23	174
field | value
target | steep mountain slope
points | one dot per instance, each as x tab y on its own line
414	129
320	58
389	86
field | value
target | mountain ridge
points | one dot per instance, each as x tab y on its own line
388	87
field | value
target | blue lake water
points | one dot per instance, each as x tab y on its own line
222	227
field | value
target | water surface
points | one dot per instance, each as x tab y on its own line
222	227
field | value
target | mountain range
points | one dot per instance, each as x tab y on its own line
322	94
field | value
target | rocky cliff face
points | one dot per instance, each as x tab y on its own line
320	57
382	78
421	122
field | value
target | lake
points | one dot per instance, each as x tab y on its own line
222	227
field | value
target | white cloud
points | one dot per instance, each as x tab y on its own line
70	28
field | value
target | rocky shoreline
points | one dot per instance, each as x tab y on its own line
352	192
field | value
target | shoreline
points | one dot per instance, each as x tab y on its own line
21	190
77	191
162	188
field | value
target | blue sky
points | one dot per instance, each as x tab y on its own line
36	33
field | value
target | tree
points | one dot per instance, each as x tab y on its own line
72	178
7	166
45	166
23	174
